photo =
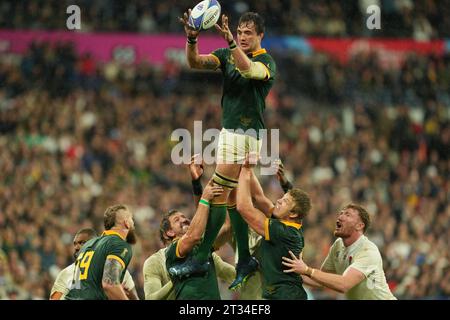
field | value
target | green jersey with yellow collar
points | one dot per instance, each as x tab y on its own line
88	272
194	287
243	99
280	238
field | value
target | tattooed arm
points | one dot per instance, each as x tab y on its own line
111	280
195	60
201	61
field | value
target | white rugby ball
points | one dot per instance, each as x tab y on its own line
205	15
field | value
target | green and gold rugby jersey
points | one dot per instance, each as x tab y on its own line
88	274
243	100
194	287
280	237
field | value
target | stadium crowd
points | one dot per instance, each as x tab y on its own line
422	20
77	137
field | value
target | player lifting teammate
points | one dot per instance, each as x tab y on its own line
281	227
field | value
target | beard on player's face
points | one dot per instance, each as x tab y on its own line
344	228
131	236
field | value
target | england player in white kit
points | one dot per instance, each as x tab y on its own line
353	266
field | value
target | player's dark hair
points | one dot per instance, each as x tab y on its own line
363	214
257	20
165	226
109	217
91	233
302	202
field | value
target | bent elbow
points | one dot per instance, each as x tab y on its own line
343	288
193	239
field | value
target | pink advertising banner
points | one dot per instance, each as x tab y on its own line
156	49
390	51
129	47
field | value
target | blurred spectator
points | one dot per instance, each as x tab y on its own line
421	19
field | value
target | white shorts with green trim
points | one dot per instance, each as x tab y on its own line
233	147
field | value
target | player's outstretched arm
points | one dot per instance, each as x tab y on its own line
285	184
198	224
111	280
196	171
340	283
254	217
194	59
260	200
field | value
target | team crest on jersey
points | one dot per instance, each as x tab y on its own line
270	289
245	121
124	252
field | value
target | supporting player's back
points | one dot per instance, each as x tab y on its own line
87	282
280	238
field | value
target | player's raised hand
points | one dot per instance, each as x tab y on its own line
281	176
196	167
251	159
212	190
190	31
224	30
295	264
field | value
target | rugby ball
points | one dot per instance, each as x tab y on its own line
205	15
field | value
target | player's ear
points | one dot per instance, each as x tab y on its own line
293	215
360	226
127	224
170	234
